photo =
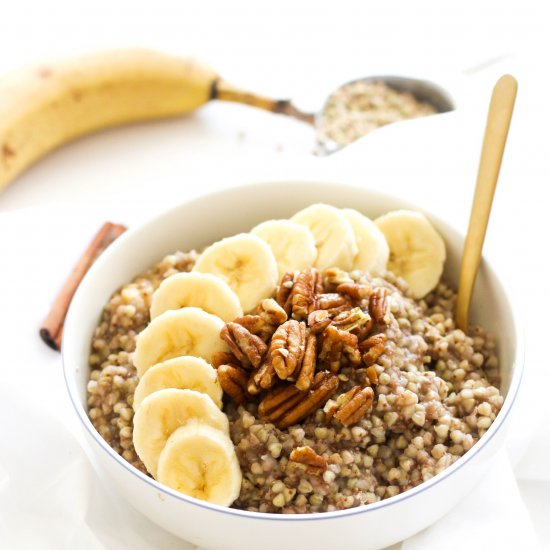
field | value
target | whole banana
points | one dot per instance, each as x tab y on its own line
43	107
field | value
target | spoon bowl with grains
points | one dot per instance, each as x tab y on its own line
360	106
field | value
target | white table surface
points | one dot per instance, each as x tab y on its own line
283	49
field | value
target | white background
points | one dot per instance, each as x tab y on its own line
284	49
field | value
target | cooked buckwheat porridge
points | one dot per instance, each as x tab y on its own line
390	392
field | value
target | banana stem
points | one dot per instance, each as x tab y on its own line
224	91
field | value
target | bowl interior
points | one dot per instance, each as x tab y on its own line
204	220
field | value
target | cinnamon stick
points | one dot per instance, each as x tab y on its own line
52	327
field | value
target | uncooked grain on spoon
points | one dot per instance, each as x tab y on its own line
360	107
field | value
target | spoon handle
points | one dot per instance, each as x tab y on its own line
225	91
496	132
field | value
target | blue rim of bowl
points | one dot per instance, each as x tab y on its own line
317	516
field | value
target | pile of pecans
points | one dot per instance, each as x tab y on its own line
288	354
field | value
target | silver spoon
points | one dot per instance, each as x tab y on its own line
422	90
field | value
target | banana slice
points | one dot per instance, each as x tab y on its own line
417	251
188	372
163	412
292	244
200	461
186	331
245	263
334	238
373	250
199	290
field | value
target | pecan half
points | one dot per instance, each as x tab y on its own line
252	323
372	341
319	286
353	355
351	319
335	276
269	315
330	301
252	387
324	386
287	348
265	377
332	347
303	294
284	290
357	402
272	313
378	305
287	405
372	375
234	382
330	409
318	321
314	463
363	331
278	401
305	378
354	290
372	348
223	358
246	347
338	310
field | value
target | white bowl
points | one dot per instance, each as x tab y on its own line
201	221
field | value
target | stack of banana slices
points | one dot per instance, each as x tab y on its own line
180	432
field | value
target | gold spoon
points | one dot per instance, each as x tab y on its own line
496	132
